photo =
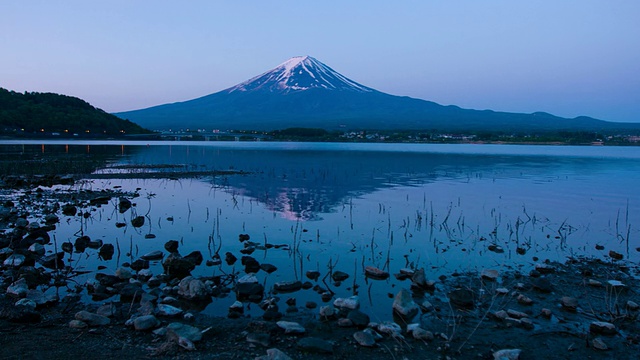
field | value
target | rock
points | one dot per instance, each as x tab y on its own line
463	298
131	292
632	306
168	310
140	264
146	322
350	303
195	257
192	289
274	354
186	331
171	246
422	334
327	311
123	273
419	281
243	237
358	318
268	268
339	276
42	299
51	219
14	260
26	303
107	310
501	315
507	354
230	259
315	345
287	286
375	273
37	249
251	265
77	324
364	339
388	327
291	327
599	344
546	313
313	275
569	303
616	284
543	268
69	210
615	255
604	328
106	252
594	283
516	314
345	323
92	319
404	305
18	288
176	266
152	256
542	285
137	222
502	291
489	275
258	338
252	291
524	300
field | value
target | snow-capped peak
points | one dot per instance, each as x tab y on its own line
298	74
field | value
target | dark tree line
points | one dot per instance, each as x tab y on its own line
47	113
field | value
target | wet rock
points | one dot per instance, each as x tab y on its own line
186	331
546	313
18	289
37	249
313	275
594	283
291	327
106	252
30	304
615	255
81	243
388	327
14	260
268	268
422	334
315	345
146	322
177	267
259	338
51	219
287	286
524	300
543	268
171	246
69	210
195	257
41	299
339	276
345	323
463	298
375	273
249	289
230	259
92	319
569	303
131	292
154	255
599	344
500	315
516	314
192	289
350	303
542	285
632	306
358	318
137	222
604	328
404	305
364	339
124	204
123	273
274	354
243	237
168	310
251	265
108	310
139	265
78	324
507	354
489	275
327	312
419	281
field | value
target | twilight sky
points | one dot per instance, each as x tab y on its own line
569	58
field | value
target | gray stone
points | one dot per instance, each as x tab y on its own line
351	303
287	286
569	303
26	303
507	354
186	331
327	311
168	310
463	298
274	354
404	305
291	327
315	345
77	324
192	289
107	310
92	319
364	339
358	318
375	273
489	275
14	260
154	255
422	334
524	300
145	322
37	249
18	288
601	327
123	273
388	327
599	344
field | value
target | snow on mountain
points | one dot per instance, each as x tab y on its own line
298	74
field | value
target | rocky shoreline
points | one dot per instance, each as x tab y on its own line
584	308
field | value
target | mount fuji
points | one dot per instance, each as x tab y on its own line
304	92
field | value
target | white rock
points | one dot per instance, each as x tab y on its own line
507	354
291	327
404	305
389	327
351	303
92	319
327	311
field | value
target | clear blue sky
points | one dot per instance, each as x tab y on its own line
568	58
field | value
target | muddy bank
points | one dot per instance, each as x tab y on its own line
584	308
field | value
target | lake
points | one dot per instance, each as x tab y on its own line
447	208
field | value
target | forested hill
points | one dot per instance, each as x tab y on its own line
22	114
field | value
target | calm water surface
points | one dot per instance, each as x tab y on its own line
392	206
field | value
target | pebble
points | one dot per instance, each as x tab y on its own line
291	327
77	324
168	310
92	319
601	327
524	300
599	344
507	354
364	339
274	354
145	322
351	303
489	274
569	303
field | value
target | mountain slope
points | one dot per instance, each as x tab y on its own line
304	92
32	112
